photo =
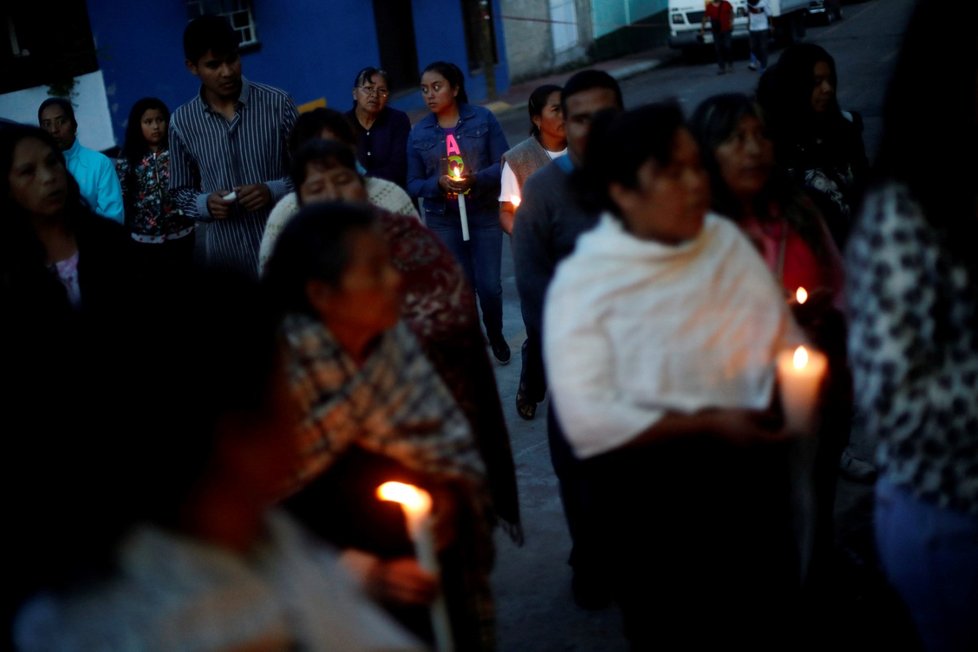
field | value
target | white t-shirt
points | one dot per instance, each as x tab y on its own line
509	187
758	21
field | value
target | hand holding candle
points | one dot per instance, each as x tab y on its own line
456	175
416	504
800	374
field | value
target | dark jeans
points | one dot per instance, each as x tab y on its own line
722	41
481	258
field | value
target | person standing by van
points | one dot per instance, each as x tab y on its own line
720	15
759	31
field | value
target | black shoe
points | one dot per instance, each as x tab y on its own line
500	349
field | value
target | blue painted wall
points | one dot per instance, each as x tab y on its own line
312	50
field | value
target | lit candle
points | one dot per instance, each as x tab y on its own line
463	215
801	295
800	375
416	505
515	201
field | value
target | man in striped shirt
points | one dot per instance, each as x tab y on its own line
228	148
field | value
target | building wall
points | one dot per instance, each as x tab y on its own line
610	15
438	26
528	37
312	50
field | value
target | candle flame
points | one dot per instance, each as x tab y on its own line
801	295
515	200
801	358
455	172
410	497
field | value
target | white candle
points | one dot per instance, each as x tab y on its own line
462	214
800	373
416	504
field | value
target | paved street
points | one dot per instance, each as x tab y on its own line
532	583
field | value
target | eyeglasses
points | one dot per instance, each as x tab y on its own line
373	90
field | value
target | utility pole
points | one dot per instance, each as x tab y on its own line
486	47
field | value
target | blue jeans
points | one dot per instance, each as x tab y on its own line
930	556
481	259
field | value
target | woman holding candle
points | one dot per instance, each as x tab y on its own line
747	187
454	158
660	335
913	304
374	409
382	131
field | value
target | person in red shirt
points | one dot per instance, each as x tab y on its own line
720	15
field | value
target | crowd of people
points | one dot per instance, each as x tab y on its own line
255	317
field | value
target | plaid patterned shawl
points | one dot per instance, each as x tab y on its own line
395	405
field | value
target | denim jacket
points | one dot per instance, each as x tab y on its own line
482	142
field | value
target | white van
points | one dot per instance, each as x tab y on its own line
686	19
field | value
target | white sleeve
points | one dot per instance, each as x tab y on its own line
509	187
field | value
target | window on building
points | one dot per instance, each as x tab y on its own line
238	13
42	47
480	35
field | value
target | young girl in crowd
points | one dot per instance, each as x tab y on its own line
153	218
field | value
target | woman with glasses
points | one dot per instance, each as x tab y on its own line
454	152
382	131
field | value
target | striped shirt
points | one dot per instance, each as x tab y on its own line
208	153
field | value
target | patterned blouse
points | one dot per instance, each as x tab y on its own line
152	214
914	351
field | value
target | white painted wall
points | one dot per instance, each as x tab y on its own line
91	109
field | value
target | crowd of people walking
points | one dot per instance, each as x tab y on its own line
224	342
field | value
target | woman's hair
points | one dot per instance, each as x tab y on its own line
310	125
315	244
713	122
134	147
537	103
200	376
785	91
329	153
213	33
929	123
621	143
589	79
365	75
65	106
453	74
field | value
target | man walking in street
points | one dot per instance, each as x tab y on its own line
551	218
228	148
720	15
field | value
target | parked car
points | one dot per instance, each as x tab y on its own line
825	11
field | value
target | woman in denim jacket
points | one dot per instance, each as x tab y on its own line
455	133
